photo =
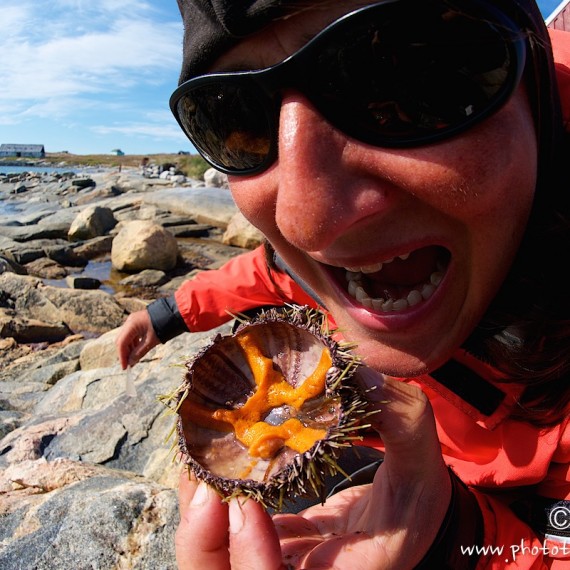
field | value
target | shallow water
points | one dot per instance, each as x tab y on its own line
97	269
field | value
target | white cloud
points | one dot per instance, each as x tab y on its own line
68	57
11	22
163	131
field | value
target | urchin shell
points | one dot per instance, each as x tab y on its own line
264	412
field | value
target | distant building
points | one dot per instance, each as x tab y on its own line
117	152
23	150
560	17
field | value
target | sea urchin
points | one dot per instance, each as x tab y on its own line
265	411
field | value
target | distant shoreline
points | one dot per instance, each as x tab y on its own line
193	166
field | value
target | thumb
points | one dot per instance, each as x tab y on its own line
404	419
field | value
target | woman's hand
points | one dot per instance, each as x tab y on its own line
213	535
136	337
389	524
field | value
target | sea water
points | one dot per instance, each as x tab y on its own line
5	169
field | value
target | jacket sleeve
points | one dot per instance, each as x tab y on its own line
243	283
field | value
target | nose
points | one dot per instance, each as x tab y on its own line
324	186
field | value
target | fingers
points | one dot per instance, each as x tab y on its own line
201	539
136	337
215	535
254	543
186	489
141	345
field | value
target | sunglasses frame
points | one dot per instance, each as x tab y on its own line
272	80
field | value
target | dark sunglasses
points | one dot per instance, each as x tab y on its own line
393	74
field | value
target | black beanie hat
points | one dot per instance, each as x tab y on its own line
213	26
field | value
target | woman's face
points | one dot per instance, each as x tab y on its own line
406	248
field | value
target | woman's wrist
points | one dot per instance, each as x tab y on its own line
166	319
460	533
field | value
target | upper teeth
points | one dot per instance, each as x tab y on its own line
376	266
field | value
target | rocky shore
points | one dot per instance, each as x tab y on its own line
87	474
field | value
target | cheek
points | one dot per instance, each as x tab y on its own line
489	173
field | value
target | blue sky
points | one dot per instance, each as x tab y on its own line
90	76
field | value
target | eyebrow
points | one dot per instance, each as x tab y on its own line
303	40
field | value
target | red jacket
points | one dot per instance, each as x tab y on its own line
504	462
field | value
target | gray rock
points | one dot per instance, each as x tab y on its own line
131	304
146	278
86	472
143	245
26	252
65	254
30	364
8	265
214	206
31	232
242	234
60	220
91	222
94	247
99	352
81	311
83	182
84	311
213	177
9	421
190	230
46	268
24	329
100	519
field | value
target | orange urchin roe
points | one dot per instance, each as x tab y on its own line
262	439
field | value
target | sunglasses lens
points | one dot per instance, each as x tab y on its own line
227	124
401	81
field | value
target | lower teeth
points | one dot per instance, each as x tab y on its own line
414	297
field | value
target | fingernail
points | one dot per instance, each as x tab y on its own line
237	516
200	496
372	383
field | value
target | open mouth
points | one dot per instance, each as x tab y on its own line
398	283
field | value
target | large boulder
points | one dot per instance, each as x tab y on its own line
143	244
92	222
213	206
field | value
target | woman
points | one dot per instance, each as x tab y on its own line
404	161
